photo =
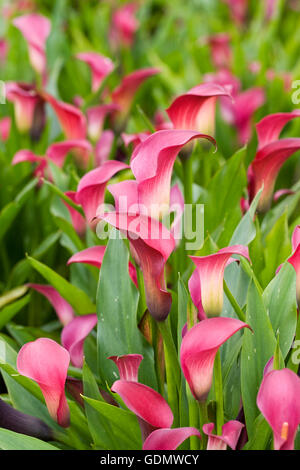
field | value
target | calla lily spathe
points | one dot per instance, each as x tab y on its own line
74	334
211	273
271	154
63	309
35	29
278	400
46	362
230	435
199	348
100	67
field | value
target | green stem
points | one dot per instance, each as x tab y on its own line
234	303
173	372
219	393
203	420
193	419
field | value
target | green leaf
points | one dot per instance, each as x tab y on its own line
261	436
11	210
258	347
117	301
99	426
124	424
245	232
8	312
278	247
12	295
72	294
280	301
225	190
10	440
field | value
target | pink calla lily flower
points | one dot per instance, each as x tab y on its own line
63	309
100	67
244	106
5	126
123	95
91	188
230	435
148	405
134	139
28	156
195	291
238	10
282	192
35	29
270	156
94	257
78	221
71	119
103	147
124	25
25	100
152	244
294	260
153	175
96	117
278	400
74	334
196	109
211	273
58	151
128	366
46	362
169	439
220	49
3	50
199	348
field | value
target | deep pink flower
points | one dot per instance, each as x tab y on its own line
152	244
96	117
3	50
5	126
91	188
124	25
148	405
74	334
94	257
103	147
198	350
152	164
211	273
196	109
100	67
123	95
63	309
25	99
278	400
244	106
270	156
220	49
230	435
46	362
169	439
71	119
282	192
35	29
238	10
78	221
128	366
58	151
134	139
28	156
